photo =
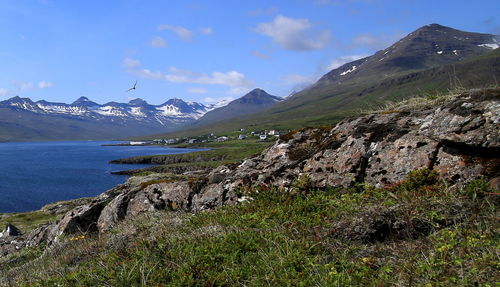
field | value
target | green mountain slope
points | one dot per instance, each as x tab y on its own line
252	102
334	97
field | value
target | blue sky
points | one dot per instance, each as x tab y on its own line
202	51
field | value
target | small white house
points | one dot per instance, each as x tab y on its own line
222	139
273	132
263	137
242	137
137	143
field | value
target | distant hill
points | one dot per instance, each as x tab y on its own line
252	102
21	119
430	60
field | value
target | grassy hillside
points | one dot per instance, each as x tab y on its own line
328	104
420	232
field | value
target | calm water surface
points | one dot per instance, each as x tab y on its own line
34	174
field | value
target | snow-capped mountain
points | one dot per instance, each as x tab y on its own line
138	109
85	119
427	47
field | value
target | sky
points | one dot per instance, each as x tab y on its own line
202	50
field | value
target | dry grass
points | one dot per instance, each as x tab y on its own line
421	102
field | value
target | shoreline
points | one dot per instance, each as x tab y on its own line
161	163
15	205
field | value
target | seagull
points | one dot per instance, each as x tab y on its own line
133	88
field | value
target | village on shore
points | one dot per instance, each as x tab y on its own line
265	135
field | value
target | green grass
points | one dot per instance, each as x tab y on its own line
439	236
219	153
26	221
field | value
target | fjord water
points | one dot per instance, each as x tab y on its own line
38	173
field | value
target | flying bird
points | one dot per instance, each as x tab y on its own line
133	88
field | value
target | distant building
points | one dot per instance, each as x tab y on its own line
191	141
242	137
263	137
273	132
137	143
222	139
242	130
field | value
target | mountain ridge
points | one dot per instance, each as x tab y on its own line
24	119
254	101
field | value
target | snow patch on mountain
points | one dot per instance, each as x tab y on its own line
492	46
348	71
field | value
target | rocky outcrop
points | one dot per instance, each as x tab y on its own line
10	230
460	139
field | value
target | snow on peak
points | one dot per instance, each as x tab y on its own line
169	110
137	111
173	111
348	71
492	46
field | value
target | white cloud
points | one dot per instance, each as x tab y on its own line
337	62
261	12
366	40
376	41
23	86
221	100
294	34
182	32
131	63
295	79
206	30
146	73
158	42
4	92
20	87
238	91
236	81
44	84
261	55
298	82
197	91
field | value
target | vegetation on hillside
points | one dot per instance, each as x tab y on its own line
329	104
219	153
419	232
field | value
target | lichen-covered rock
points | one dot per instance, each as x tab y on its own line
334	167
391	161
82	219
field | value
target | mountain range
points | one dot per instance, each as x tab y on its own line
23	119
432	59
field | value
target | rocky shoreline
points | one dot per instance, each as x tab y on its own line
458	138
